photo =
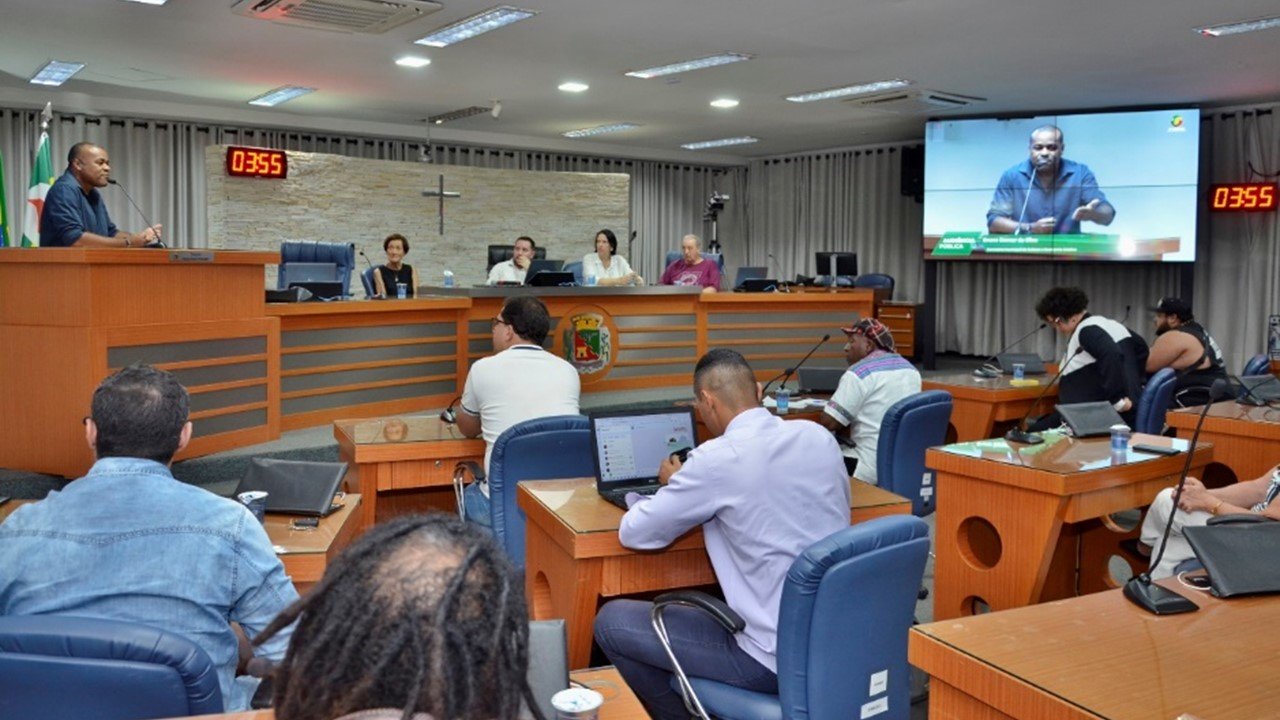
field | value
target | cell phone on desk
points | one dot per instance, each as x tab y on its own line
1156	449
306	523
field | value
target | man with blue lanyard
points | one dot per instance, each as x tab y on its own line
1046	194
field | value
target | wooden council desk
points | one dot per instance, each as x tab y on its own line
392	461
305	553
1020	524
1100	656
573	558
620	703
979	403
1245	438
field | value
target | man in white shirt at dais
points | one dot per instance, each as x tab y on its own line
514	270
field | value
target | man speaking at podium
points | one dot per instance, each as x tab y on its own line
74	213
1046	194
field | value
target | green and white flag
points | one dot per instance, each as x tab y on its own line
5	236
41	180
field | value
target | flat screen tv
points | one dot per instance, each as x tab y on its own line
1099	186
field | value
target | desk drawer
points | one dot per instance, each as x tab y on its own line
436	472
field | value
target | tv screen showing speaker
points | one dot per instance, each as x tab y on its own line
1098	186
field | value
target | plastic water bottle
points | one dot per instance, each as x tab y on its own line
1019	371
1273	337
783	398
1120	438
448	278
402	290
591	280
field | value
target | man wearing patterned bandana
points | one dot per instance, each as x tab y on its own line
877	378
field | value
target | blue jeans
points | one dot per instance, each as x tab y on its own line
475	506
705	650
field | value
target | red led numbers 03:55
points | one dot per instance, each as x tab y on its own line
257	162
1243	197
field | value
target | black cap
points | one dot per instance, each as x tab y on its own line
1176	307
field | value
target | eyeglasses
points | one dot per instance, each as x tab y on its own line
497	321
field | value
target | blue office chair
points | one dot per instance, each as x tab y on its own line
909	427
1257	365
343	255
366	279
74	667
541	449
875	281
575	267
1155	400
846	608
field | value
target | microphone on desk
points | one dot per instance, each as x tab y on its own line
786	374
987	370
448	415
1019	434
157	243
1140	590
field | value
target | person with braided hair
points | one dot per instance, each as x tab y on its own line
421	617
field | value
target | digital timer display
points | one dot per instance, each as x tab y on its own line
1243	197
257	162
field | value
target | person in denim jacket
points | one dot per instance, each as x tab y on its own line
129	542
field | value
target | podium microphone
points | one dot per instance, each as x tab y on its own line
1019	434
157	243
987	370
1140	590
786	374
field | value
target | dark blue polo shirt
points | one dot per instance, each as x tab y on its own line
69	213
1075	186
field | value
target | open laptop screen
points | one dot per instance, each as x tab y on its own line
629	446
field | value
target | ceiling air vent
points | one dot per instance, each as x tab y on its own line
915	102
349	16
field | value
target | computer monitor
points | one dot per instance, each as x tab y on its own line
836	263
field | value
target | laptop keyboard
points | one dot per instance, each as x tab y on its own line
619	497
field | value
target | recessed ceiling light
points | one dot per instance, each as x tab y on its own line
413	61
1240	27
282	94
723	142
600	130
724	103
478	24
574	87
863	89
688	65
56	72
149	2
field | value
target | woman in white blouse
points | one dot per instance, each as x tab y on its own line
606	266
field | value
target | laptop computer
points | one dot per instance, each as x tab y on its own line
1259	389
1090	419
294	486
821	380
550	278
322	289
1032	364
629	446
541	265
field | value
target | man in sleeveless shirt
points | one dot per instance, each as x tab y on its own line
1184	345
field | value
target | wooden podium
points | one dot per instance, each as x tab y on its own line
71	316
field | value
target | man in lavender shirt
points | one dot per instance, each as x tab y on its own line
692	268
763	491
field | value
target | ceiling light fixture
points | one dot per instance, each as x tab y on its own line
149	2
688	65
724	103
723	142
56	72
849	90
282	94
574	87
478	24
600	130
1240	27
413	61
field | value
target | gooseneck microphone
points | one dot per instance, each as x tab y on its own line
987	370
1019	434
1140	590
157	243
448	415
786	374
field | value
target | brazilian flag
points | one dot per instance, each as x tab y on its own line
5	240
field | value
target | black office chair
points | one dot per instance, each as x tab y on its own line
502	253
